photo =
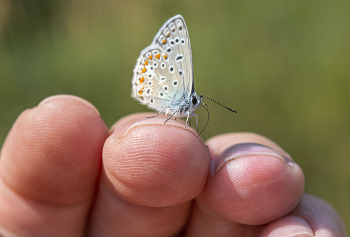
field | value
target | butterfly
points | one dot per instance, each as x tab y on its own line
163	74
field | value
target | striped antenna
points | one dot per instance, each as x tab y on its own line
202	96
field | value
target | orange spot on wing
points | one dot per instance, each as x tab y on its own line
144	70
165	56
173	29
150	57
168	35
141	91
142	79
146	62
164	41
158	56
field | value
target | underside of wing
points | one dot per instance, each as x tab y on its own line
173	37
157	82
163	74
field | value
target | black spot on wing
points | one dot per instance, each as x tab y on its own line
179	58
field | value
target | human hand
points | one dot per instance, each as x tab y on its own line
63	174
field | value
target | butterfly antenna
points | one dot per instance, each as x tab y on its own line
207	120
202	96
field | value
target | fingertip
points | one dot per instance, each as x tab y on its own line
312	217
55	99
126	123
164	122
320	215
156	164
50	144
49	166
288	226
253	182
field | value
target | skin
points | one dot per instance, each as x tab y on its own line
63	173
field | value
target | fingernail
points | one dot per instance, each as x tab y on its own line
290	226
243	150
160	121
72	97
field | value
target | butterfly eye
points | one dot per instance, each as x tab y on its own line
194	100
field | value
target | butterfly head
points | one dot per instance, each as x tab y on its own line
196	102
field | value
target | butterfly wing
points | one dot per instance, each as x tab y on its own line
173	37
163	75
157	82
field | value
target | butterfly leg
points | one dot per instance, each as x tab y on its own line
195	115
188	116
170	116
154	116
188	120
158	113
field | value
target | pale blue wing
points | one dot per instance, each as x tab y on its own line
173	37
163	75
157	82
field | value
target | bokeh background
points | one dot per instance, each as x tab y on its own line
283	65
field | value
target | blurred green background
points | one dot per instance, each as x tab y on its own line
283	65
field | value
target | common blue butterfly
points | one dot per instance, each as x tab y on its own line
163	74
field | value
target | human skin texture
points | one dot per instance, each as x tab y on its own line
63	173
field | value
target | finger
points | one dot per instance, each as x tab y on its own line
152	171
312	217
49	165
253	182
